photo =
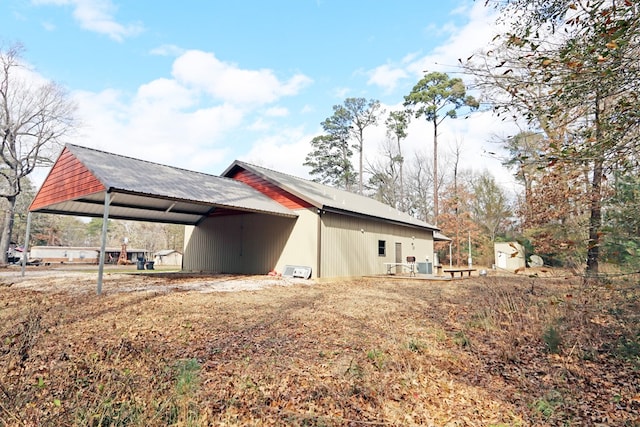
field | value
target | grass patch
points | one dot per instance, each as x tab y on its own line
552	339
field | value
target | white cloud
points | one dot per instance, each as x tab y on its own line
308	109
284	152
162	90
386	76
160	123
167	50
259	125
97	16
229	83
48	26
187	120
277	112
464	41
341	93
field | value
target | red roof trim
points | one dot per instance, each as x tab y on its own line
269	189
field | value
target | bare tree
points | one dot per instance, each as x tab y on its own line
384	177
419	177
397	123
34	117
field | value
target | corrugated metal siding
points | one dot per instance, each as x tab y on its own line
350	245
67	180
256	243
302	245
243	244
214	246
269	189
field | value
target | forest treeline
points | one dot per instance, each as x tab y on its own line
567	73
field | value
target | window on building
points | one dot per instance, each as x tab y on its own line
382	247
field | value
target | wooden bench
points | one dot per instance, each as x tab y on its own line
453	271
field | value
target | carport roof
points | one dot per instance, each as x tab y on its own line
140	190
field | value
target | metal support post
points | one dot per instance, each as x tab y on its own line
103	242
25	252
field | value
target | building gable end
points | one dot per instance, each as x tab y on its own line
269	189
68	180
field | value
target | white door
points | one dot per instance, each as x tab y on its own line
502	260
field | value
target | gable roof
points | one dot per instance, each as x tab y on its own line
142	190
147	191
328	198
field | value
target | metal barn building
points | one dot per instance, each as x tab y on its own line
250	220
335	232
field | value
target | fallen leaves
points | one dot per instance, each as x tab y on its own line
363	352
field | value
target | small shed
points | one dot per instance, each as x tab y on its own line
509	255
168	257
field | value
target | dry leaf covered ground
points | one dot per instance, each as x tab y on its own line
167	349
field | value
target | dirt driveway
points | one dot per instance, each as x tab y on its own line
118	279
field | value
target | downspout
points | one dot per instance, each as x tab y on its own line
319	249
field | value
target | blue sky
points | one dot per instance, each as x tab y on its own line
197	84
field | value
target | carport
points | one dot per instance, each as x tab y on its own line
93	183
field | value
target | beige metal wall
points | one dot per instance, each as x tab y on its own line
245	243
256	244
302	247
350	245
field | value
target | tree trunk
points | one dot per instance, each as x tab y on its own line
360	171
595	218
5	240
403	205
435	172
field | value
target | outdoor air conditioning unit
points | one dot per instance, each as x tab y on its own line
297	271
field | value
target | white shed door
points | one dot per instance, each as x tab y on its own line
502	260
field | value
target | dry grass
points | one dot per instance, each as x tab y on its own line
494	351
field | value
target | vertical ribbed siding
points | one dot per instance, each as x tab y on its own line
302	243
68	179
350	245
243	244
209	251
255	244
